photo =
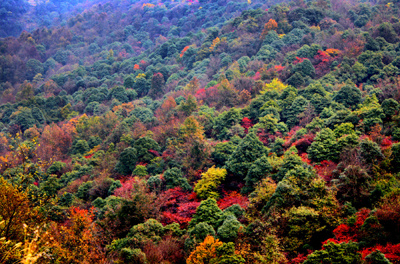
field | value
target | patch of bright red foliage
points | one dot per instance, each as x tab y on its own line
177	206
231	198
246	124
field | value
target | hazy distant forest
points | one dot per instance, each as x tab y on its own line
199	132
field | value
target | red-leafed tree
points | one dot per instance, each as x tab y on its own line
177	206
325	168
246	124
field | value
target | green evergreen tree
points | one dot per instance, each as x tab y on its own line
248	151
142	146
290	162
332	253
259	169
174	178
157	86
228	231
376	257
200	231
207	212
370	151
127	161
349	96
324	146
80	147
396	157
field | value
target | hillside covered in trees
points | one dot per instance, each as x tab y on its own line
196	131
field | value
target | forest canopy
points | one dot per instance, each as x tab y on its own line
198	131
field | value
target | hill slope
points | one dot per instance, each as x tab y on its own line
203	132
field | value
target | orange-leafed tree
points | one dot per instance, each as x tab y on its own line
20	226
183	51
270	25
76	241
205	252
56	141
163	112
214	43
16	210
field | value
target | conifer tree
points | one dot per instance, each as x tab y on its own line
248	151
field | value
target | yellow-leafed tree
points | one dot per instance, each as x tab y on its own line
206	187
274	85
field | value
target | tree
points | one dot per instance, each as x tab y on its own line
292	112
229	230
386	31
193	85
16	210
56	141
174	178
225	121
270	25
301	187
323	147
349	96
226	254
208	212
271	251
260	196
333	253
143	146
370	112
136	255
26	91
206	187
304	223
80	147
141	85
205	252
76	242
129	82
390	107
213	251
396	157
33	67
248	151
274	85
139	235
157	85
140	170
258	170
131	205
370	151
191	146
118	93
127	161
290	161
376	257
23	117
201	231
305	68
188	106
296	80
223	151
344	129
